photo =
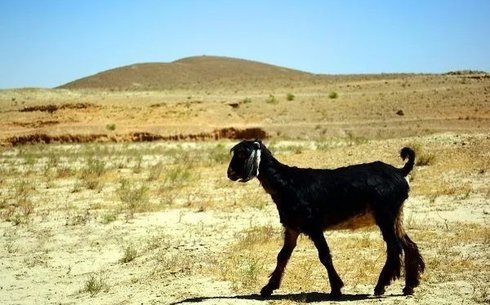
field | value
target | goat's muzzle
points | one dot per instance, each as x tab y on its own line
232	175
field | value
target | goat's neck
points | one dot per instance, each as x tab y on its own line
271	173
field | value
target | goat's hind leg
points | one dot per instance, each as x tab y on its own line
414	264
324	254
392	268
290	238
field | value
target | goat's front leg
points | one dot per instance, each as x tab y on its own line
324	254
290	238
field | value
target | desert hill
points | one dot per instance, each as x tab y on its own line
207	97
190	73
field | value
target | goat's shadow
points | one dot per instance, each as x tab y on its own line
307	297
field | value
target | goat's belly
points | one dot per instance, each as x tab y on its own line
361	220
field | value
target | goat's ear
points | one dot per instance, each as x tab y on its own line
232	150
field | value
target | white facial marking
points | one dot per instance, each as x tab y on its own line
258	153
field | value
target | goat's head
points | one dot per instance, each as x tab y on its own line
245	161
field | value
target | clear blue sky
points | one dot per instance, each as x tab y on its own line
46	43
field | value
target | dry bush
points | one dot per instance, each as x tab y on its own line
91	174
244	263
172	263
134	197
129	254
18	206
95	284
358	256
422	156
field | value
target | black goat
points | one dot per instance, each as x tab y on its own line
310	201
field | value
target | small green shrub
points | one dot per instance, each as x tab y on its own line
134	198
19	212
64	172
138	167
22	189
290	97
333	95
92	172
108	217
94	167
179	175
219	154
155	171
95	284
129	254
425	159
249	270
353	140
422	158
77	187
272	99
244	265
111	126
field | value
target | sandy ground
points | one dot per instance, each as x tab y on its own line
51	254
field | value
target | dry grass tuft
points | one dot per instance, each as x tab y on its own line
95	284
244	264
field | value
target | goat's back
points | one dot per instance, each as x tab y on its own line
376	181
335	196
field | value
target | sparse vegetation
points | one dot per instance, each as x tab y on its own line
155	171
423	158
109	217
111	126
353	140
185	183
133	197
129	254
180	174
245	262
247	100
92	172
333	95
271	99
19	207
138	165
170	263
95	284
219	154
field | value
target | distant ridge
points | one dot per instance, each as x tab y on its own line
187	73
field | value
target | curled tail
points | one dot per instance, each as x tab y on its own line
404	153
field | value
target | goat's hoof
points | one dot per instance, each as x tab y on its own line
408	291
266	291
335	294
379	291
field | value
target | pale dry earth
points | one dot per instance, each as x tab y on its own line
183	248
